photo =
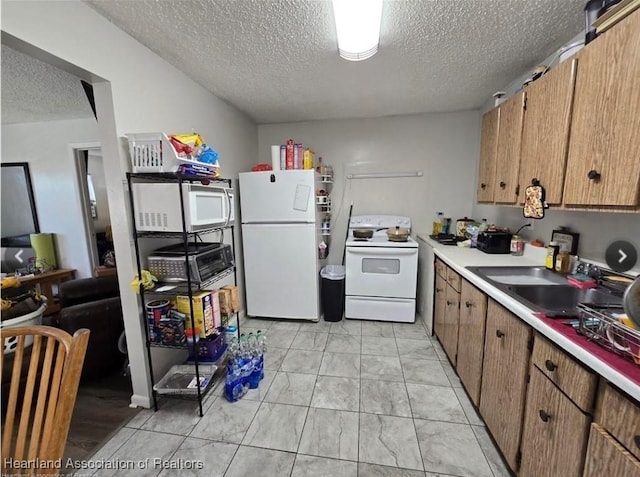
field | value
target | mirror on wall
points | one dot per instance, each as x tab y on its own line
19	215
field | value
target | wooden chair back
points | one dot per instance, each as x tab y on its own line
42	394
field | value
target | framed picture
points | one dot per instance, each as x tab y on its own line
568	241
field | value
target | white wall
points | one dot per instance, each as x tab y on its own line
45	146
135	91
597	229
444	146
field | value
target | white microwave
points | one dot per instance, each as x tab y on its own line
157	206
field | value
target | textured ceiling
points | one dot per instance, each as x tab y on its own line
277	59
34	91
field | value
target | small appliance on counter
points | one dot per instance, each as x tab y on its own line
495	241
205	260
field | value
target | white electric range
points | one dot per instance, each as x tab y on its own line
381	275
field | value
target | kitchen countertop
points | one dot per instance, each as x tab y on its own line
458	258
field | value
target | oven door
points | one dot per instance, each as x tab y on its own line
381	271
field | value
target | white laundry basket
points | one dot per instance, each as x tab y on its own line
30	319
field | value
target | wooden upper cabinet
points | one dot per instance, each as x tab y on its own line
508	150
603	166
545	133
488	148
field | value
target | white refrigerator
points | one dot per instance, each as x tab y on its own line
280	237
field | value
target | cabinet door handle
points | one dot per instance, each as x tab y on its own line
544	416
550	365
468	304
499	334
449	303
636	439
594	175
483	186
439	290
503	184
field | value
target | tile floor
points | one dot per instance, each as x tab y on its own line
352	398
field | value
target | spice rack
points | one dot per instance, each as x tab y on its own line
326	179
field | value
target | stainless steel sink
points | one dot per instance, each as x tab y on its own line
519	275
546	291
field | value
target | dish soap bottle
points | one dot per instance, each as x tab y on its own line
552	253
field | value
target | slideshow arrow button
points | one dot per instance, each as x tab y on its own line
623	256
17	256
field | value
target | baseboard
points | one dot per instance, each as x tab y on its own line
140	401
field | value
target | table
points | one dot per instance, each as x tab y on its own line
48	284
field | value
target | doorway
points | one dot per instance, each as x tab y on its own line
95	206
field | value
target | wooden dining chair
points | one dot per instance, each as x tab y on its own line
44	378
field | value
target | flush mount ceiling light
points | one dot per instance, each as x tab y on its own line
358	27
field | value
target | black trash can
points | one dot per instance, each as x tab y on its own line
332	292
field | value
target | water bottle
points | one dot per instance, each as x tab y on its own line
262	344
256	362
235	387
246	359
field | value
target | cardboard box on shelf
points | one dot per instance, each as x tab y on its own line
202	311
224	295
235	298
215	308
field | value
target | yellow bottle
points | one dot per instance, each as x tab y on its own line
552	253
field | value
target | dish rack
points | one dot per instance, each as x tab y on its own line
607	331
153	152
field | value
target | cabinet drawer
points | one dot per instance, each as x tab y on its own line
555	432
575	381
453	279
620	417
605	456
441	268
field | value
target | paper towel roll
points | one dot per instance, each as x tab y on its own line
45	251
275	157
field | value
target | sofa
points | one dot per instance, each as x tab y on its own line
94	303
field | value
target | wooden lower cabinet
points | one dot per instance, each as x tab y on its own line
473	314
505	367
620	417
451	318
439	305
606	457
555	431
